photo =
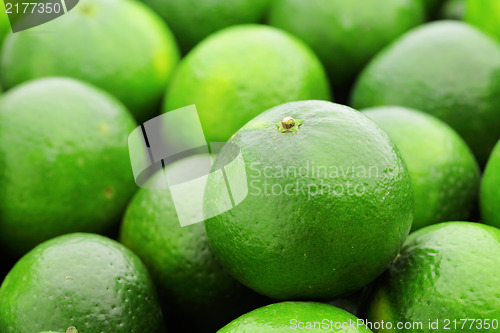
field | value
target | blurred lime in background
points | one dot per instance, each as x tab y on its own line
193	20
120	46
444	173
63	159
240	72
346	34
446	68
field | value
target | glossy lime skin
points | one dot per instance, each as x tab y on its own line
444	271
63	159
193	20
82	280
448	69
331	26
444	173
242	71
99	42
287	316
490	190
190	280
485	15
321	232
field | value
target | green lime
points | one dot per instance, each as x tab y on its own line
63	159
120	46
329	202
81	280
331	26
484	14
193	20
490	190
447	275
240	72
190	279
448	69
443	171
290	316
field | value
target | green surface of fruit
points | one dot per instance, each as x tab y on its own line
446	272
193	20
444	173
81	280
490	190
331	26
5	28
485	14
328	206
448	69
64	163
291	316
120	46
242	71
190	279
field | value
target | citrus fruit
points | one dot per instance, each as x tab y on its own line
188	276
448	69
82	280
447	272
485	15
63	159
443	171
331	26
329	203
490	190
98	42
193	20
241	71
290	316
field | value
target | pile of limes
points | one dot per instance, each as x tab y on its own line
379	212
